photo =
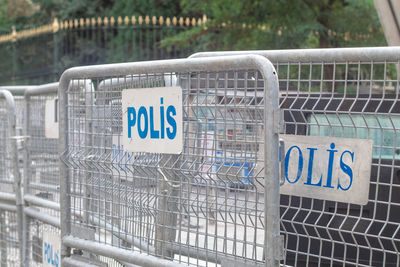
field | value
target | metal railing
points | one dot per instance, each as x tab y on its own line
351	93
86	41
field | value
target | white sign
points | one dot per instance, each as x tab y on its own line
152	120
51	249
328	168
51	118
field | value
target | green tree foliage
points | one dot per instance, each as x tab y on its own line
69	9
166	8
279	24
4	21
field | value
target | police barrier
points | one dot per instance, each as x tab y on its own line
110	205
37	148
41	174
349	95
10	197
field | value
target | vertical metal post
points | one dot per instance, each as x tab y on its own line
27	178
55	54
65	199
271	167
3	239
167	210
88	93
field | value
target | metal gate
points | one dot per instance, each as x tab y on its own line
352	93
206	206
11	202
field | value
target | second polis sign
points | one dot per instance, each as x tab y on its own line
152	120
328	168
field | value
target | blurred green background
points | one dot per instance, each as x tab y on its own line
229	25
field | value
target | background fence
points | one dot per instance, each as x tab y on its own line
39	55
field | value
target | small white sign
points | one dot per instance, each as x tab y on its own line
152	120
51	118
328	168
51	249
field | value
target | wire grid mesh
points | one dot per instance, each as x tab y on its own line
43	170
43	152
6	167
9	245
352	100
35	242
198	208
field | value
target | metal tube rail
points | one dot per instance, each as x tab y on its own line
113	252
17	90
8	207
316	55
40	202
7	197
33	213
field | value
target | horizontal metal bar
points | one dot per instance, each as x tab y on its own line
7	196
197	253
126	264
8	207
50	88
163	66
37	201
330	55
118	253
17	90
75	261
141	244
6	181
44	187
48	219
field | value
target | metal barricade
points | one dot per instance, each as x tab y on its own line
11	209
352	93
207	206
41	174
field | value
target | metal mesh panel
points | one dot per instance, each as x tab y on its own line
9	245
199	208
6	170
35	241
352	100
43	171
43	152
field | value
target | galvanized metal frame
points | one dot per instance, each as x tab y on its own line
16	198
315	55
333	57
271	247
32	201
